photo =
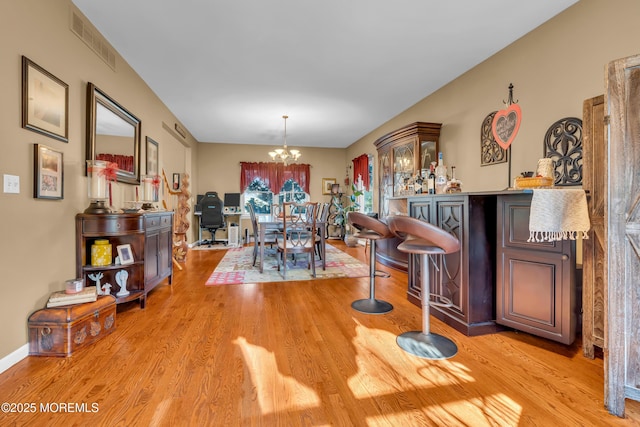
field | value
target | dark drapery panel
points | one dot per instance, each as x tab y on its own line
267	172
274	174
299	173
361	167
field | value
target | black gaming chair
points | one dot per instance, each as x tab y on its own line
212	217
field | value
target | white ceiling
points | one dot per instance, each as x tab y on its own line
229	70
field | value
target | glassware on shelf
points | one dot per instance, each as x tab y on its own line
150	186
98	186
453	186
441	175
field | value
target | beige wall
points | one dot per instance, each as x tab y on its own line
38	250
553	68
219	166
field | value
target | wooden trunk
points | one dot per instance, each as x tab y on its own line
60	331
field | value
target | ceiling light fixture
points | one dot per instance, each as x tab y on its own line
283	154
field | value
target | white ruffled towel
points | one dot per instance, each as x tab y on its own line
558	214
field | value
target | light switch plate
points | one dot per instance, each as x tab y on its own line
11	184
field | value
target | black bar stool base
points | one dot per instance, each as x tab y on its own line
371	306
427	346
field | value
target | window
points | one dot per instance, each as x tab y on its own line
267	183
291	192
365	201
263	198
261	195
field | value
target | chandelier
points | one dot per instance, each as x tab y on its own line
283	154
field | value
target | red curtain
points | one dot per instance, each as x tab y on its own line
361	167
274	175
299	173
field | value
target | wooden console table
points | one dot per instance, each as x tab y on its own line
148	234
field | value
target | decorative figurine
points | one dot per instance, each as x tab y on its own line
121	280
106	289
96	278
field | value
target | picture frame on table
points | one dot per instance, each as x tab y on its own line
45	102
327	185
125	254
48	171
152	157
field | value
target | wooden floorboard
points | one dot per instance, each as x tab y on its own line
296	354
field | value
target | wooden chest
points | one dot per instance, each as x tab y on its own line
60	331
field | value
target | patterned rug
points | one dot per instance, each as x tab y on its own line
236	268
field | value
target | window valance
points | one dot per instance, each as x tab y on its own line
274	174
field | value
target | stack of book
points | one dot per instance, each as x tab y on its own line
57	299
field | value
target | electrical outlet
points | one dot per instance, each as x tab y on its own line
11	184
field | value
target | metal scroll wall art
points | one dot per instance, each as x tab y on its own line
563	144
491	152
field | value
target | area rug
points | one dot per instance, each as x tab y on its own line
236	268
216	247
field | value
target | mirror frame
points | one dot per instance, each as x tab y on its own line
95	96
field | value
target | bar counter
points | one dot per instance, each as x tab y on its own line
497	279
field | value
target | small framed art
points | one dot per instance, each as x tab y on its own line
125	254
48	179
327	185
45	102
152	157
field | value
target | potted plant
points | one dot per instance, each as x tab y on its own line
352	207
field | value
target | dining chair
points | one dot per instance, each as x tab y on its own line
269	237
298	233
321	217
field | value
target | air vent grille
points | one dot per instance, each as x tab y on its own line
81	27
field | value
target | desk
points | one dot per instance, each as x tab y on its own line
226	216
268	222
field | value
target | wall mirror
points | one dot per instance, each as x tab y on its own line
113	134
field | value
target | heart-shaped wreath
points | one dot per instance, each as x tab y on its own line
505	125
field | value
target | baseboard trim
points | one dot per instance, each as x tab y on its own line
13	358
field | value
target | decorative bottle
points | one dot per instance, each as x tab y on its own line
418	184
431	179
441	175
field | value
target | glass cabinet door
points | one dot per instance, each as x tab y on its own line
403	167
428	154
386	182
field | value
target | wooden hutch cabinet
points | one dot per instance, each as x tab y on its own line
150	238
401	154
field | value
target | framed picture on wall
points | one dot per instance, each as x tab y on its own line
48	180
45	102
327	185
152	157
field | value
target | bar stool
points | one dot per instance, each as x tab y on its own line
428	241
373	230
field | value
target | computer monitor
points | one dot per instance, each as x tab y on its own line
197	208
232	200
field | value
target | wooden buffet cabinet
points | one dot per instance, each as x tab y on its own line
150	238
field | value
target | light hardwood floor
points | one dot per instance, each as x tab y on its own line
295	353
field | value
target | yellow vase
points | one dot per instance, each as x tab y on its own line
100	253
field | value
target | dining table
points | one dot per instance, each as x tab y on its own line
272	222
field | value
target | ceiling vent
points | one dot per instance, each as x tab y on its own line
82	28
